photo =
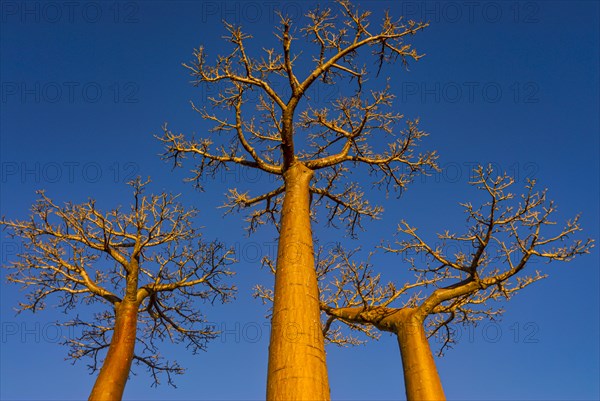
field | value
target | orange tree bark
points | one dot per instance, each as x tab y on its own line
421	377
297	368
111	381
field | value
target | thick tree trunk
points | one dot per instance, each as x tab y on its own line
297	368
113	376
421	378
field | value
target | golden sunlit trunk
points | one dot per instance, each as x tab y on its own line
113	376
421	378
297	368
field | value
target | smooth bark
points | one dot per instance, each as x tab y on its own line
297	368
421	378
111	381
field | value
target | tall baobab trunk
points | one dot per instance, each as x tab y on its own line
297	368
421	378
113	376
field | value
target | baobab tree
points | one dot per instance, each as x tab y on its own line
147	266
310	150
504	236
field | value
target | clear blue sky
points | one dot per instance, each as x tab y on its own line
84	88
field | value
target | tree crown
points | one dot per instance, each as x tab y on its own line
357	127
149	255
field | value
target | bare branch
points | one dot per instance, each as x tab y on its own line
284	128
504	236
157	261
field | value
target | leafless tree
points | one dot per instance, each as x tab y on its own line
310	150
146	266
505	234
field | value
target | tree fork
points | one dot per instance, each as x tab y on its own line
111	381
297	368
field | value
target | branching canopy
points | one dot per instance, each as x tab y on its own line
150	255
504	235
285	126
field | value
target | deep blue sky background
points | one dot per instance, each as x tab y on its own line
85	87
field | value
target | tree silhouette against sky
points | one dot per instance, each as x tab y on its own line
311	151
146	266
456	281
